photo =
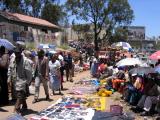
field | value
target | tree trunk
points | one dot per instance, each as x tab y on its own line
96	41
95	37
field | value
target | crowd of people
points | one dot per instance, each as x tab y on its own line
20	68
140	90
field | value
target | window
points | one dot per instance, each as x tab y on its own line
45	30
25	28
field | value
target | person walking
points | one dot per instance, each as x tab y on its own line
55	75
41	75
68	66
61	59
18	72
4	62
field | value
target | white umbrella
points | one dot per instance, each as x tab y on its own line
21	43
124	45
129	62
43	46
52	52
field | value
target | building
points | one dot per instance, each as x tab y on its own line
18	27
137	39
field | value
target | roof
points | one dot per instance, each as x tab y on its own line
27	19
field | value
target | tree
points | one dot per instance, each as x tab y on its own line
82	31
52	13
120	34
12	5
103	14
46	9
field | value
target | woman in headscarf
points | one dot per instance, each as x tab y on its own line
55	76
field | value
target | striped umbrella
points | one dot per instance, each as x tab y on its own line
8	45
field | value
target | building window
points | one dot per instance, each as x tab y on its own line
45	30
25	28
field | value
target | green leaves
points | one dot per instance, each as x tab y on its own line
52	12
46	9
103	14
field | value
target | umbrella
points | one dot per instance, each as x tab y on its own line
52	52
157	69
129	62
8	45
124	45
155	56
43	46
21	43
141	70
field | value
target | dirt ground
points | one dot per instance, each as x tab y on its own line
34	108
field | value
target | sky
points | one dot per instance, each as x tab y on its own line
147	13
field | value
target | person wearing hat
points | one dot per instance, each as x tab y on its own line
17	73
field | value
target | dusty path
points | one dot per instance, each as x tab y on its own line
34	108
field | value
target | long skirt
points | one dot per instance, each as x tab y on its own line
55	83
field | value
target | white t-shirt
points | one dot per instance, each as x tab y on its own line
60	57
54	67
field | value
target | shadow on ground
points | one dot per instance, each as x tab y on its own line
28	112
3	110
44	99
64	89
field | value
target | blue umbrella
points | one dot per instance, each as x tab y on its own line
142	70
8	45
157	69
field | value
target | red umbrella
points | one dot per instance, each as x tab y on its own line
155	56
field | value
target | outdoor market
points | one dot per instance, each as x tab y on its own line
116	70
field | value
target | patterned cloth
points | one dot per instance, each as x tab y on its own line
55	75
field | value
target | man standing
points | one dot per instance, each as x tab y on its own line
17	71
41	75
68	67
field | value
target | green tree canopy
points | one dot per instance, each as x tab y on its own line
53	13
103	14
47	9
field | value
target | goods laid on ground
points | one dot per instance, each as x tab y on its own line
15	117
89	97
104	93
81	108
67	108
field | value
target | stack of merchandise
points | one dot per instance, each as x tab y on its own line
85	87
67	108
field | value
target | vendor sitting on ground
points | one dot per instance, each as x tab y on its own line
106	73
134	90
120	78
149	99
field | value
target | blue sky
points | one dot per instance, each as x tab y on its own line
147	13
